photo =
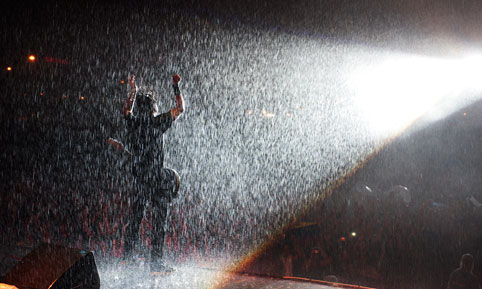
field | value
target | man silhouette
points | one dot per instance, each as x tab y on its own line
462	277
154	185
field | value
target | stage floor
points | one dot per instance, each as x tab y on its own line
192	275
120	276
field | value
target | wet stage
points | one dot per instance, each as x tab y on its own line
116	274
196	277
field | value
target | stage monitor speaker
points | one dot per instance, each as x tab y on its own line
54	267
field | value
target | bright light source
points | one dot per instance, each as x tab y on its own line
9	68
267	114
397	90
31	58
353	234
469	72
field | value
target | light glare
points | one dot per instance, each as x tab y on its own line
399	89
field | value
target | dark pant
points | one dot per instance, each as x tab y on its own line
154	192
158	208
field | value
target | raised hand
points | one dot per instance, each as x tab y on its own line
132	81
175	79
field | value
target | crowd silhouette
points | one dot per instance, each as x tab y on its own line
382	242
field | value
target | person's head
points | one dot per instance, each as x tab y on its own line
467	262
145	105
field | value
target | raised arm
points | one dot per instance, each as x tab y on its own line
179	109
129	104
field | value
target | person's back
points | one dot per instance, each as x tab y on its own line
154	185
145	141
462	277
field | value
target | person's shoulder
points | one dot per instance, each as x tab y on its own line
459	274
455	273
475	280
165	116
